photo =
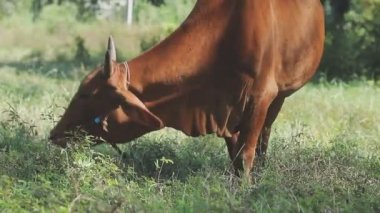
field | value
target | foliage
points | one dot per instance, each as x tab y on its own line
58	17
82	53
90	9
157	2
8	8
173	12
323	157
353	43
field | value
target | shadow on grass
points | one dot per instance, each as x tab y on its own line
24	154
59	68
62	66
172	157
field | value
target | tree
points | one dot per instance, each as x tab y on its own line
339	7
129	12
353	39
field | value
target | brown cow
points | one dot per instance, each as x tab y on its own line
226	70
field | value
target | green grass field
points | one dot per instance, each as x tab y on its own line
324	156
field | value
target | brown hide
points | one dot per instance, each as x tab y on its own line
225	70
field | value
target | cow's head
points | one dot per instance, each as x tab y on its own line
100	93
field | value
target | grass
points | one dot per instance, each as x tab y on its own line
323	157
64	48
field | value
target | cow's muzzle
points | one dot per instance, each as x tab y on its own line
58	139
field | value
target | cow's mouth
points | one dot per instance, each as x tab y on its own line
64	139
59	139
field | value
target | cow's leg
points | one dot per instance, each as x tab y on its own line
231	143
117	149
250	129
273	111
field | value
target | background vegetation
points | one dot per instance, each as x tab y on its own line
353	40
324	154
77	29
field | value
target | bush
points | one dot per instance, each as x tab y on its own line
59	17
172	12
353	44
7	8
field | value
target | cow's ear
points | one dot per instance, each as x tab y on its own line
137	111
110	57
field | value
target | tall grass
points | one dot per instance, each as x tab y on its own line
323	156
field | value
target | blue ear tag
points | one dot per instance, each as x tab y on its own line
97	120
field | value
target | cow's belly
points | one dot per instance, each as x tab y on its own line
223	121
211	112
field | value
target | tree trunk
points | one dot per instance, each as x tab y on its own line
129	12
